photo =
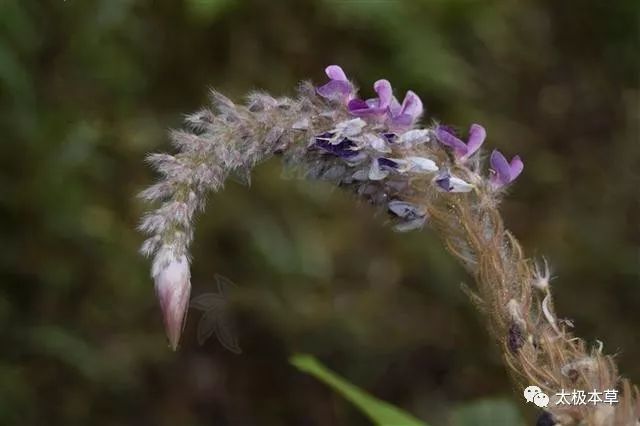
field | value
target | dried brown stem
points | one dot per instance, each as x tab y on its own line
537	348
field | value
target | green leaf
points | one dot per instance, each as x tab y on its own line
380	412
487	412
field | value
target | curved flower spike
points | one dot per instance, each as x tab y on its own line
405	115
376	107
462	151
339	88
503	173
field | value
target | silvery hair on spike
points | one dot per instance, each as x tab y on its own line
418	175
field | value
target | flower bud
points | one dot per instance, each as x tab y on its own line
173	287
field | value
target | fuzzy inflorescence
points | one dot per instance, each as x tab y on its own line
418	175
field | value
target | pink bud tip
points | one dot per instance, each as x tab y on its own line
173	287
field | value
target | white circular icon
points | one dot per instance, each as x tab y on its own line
541	400
530	392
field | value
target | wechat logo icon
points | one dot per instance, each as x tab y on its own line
534	394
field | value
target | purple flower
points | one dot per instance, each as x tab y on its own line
414	137
376	107
421	164
387	108
388	163
403	116
405	210
390	137
412	216
343	148
462	151
503	172
377	143
339	88
445	182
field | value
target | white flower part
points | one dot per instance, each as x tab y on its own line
450	183
459	185
349	128
362	174
375	173
414	137
377	143
406	210
411	225
422	164
356	159
403	165
173	287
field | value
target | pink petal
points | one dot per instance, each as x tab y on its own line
412	105
335	72
394	107
173	287
402	121
360	108
516	167
446	138
335	89
385	93
477	135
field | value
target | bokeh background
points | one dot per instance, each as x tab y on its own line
88	87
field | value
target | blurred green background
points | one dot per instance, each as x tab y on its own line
88	87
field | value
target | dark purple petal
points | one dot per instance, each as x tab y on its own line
450	140
356	104
443	180
344	149
390	137
386	163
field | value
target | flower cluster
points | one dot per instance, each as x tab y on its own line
383	109
371	146
380	144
